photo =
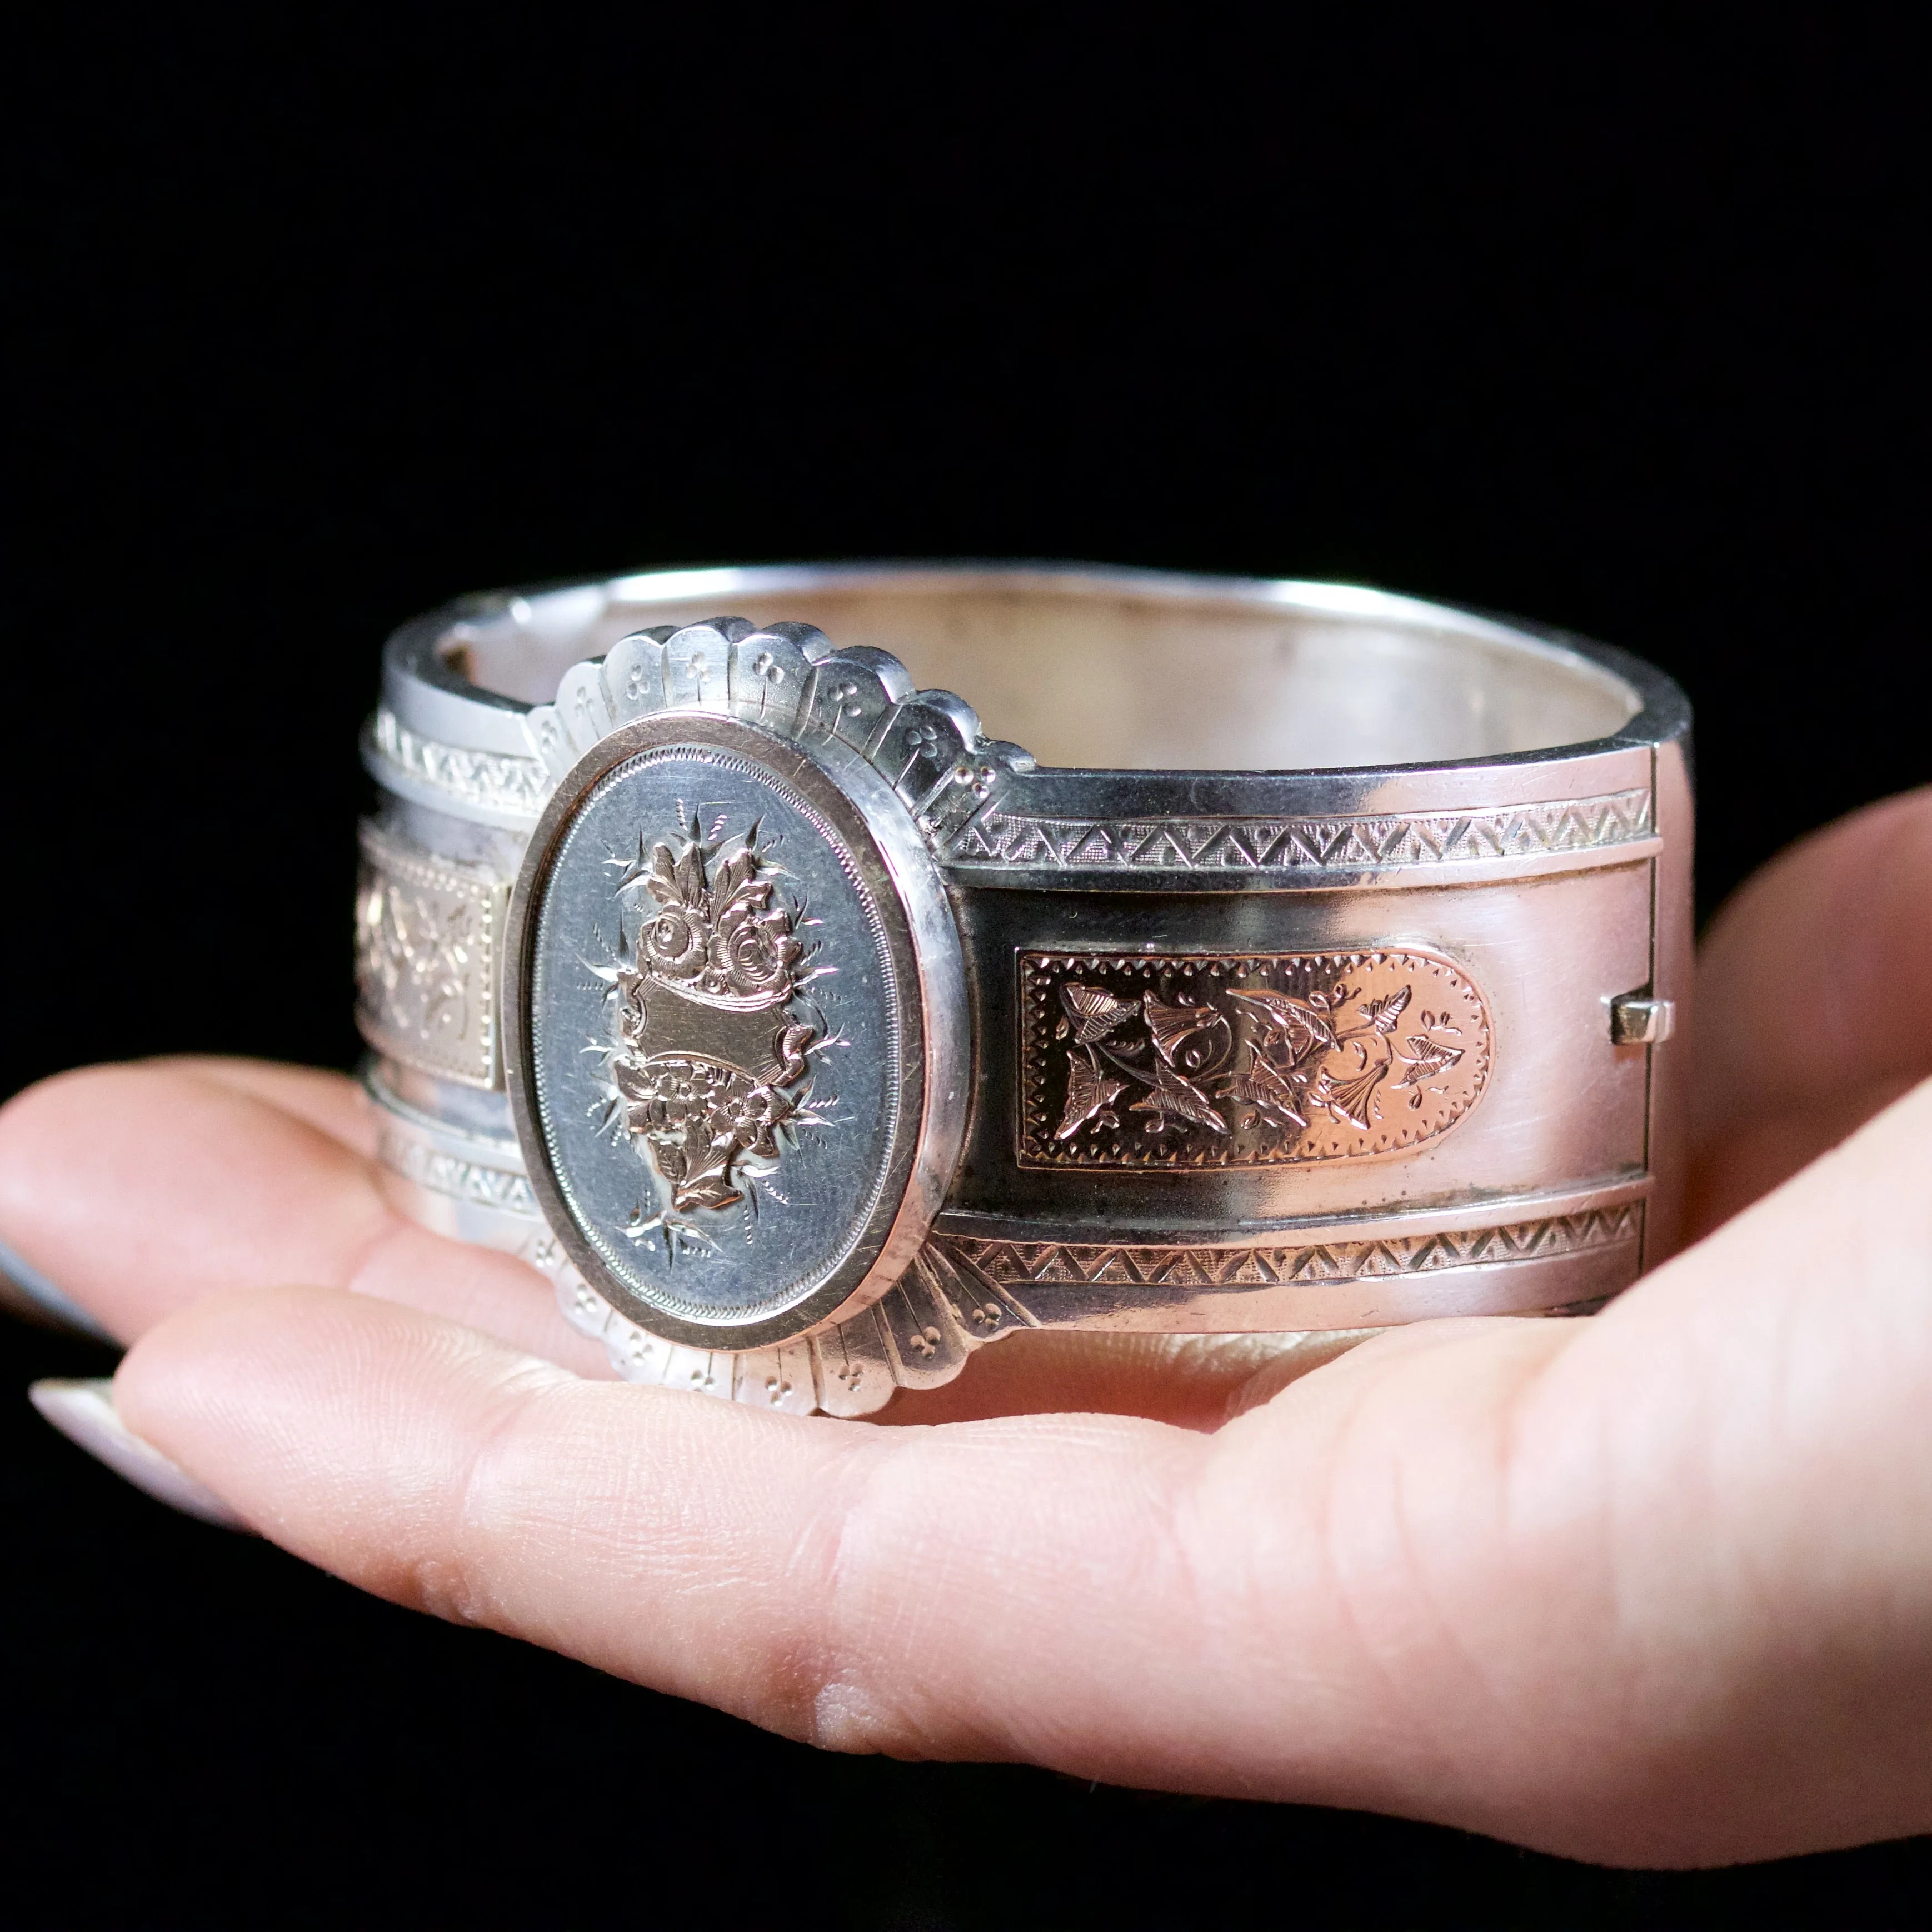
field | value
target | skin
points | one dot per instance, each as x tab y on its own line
1652	1589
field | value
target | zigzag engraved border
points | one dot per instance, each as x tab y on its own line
998	837
499	781
962	1292
1028	1263
402	1153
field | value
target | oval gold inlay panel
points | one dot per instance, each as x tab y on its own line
1192	1060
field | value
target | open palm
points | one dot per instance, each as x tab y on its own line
1652	1587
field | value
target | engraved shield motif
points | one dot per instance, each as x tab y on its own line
720	1065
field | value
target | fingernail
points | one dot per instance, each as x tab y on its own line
35	1296
84	1412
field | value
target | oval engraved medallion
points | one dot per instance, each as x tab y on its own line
1188	1059
720	1064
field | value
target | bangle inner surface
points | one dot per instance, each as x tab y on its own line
1093	670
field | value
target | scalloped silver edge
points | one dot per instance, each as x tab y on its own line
917	1336
927	745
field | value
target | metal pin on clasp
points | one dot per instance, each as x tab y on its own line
1638	1020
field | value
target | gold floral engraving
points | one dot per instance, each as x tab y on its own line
711	1069
425	971
1183	1060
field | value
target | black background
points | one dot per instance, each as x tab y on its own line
1614	323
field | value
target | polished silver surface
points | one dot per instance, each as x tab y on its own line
1090	669
981	1277
735	983
1336	994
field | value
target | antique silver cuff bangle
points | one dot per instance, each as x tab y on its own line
1314	968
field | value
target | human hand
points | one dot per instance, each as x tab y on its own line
1654	1587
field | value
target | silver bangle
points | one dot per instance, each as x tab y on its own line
1316	973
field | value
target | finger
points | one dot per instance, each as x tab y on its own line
331	1102
136	1189
901	1590
1742	1160
1194	1382
1813	1002
1591	1585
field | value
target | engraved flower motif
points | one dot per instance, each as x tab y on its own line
753	953
751	1113
717	940
674	945
717	936
755	1107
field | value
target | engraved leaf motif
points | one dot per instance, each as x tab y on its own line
1286	1017
1382	1014
710	1188
737	887
687	873
661	882
1425	1058
1262	1085
1089	1092
1095	1011
1174	1094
